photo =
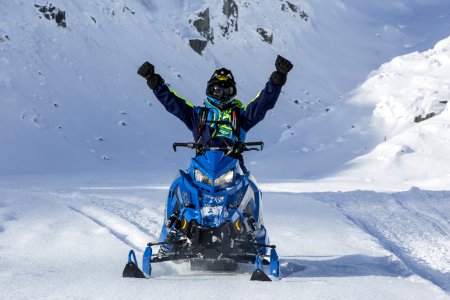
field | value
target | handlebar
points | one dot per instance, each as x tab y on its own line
187	145
237	147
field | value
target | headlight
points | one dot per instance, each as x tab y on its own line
225	178
200	177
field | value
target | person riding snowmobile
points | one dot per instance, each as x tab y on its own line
223	120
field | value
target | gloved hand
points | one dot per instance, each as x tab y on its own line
147	70
282	66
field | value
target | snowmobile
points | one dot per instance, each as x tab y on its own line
213	217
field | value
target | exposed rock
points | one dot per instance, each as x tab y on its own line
203	26
52	13
198	45
286	6
4	38
230	10
202	23
265	36
419	118
126	8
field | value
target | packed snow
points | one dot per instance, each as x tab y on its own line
72	242
355	175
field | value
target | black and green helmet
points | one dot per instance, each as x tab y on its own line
221	88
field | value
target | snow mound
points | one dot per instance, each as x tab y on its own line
412	118
408	89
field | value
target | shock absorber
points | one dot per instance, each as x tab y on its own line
174	223
252	227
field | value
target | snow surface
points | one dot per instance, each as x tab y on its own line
356	194
71	242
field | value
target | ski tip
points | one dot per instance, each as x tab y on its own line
259	275
131	270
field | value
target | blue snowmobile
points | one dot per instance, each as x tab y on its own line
213	217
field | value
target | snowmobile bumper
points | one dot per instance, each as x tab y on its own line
132	269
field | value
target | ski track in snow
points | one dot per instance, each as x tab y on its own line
132	220
419	238
315	233
127	222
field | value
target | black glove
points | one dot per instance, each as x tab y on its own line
282	66
147	70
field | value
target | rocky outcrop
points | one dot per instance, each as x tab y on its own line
202	23
198	45
52	13
230	10
288	6
265	36
4	39
419	118
226	22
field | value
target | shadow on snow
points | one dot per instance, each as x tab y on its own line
345	266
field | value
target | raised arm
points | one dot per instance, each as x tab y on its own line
256	110
173	103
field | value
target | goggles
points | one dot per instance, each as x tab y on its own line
221	91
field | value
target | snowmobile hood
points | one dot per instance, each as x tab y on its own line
214	171
213	162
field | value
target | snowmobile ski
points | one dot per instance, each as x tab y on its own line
131	268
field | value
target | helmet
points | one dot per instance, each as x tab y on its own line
221	88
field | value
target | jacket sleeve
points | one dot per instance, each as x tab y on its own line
256	110
175	104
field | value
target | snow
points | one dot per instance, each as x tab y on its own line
71	242
356	194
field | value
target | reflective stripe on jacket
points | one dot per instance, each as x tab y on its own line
250	115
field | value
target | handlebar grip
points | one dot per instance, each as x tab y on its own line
187	145
255	144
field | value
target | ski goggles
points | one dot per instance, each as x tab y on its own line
221	91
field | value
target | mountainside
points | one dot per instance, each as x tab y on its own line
71	99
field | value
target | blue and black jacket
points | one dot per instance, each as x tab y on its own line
214	135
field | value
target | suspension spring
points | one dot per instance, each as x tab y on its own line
164	248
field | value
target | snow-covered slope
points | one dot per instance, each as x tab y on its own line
399	117
412	114
71	99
